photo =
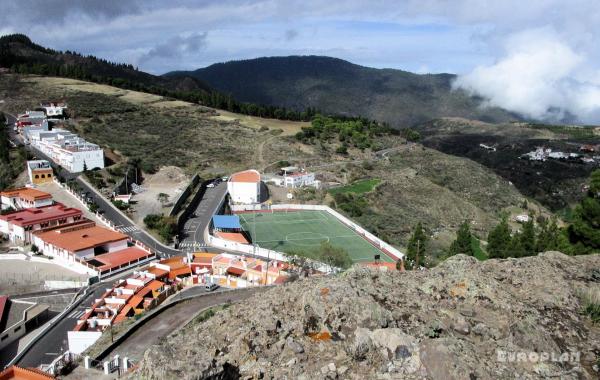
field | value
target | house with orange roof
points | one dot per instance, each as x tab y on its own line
24	197
19	226
202	262
267	274
99	250
244	187
20	373
177	268
383	266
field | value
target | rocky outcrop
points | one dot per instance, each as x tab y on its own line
464	319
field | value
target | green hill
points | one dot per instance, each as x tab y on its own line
339	87
18	52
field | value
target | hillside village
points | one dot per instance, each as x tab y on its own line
300	216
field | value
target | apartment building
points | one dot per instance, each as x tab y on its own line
67	149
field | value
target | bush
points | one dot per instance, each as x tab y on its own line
153	221
166	226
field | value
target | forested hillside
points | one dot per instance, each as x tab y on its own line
335	86
21	55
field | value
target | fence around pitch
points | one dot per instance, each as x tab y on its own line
384	247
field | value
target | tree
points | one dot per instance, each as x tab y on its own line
415	252
34	249
527	238
462	244
85	168
584	232
162	198
499	241
334	256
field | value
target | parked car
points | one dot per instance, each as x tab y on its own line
225	178
211	287
211	185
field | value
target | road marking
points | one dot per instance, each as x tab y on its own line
51	353
127	229
76	314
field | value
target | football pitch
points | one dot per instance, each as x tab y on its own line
306	230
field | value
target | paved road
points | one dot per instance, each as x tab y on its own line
123	223
54	342
193	230
174	318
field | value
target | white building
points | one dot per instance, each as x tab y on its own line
67	149
25	197
54	109
293	177
244	187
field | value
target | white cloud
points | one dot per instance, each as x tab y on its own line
537	77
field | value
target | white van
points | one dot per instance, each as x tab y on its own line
211	287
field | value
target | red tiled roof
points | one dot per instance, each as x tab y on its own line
158	272
77	238
155	285
19	373
3	301
381	264
36	215
26	193
251	176
118	258
232	236
123	313
135	301
180	271
280	280
235	271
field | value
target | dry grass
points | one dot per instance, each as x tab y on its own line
76	85
288	127
140	98
172	104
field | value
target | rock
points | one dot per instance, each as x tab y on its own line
402	352
461	326
448	322
294	346
332	367
325	370
361	345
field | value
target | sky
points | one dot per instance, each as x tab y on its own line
538	58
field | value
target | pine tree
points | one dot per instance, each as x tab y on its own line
462	244
85	168
527	238
584	232
415	252
499	241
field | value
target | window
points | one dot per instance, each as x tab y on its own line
43	176
4	338
17	329
37	176
49	175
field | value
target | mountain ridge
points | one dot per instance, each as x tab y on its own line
336	86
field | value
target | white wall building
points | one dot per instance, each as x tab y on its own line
67	149
244	187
